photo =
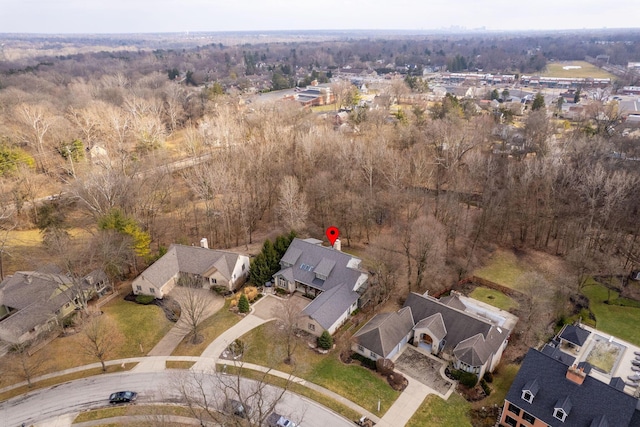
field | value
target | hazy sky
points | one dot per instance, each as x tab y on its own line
136	16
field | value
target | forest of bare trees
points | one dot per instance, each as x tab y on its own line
424	195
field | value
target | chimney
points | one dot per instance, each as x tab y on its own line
576	375
204	243
337	245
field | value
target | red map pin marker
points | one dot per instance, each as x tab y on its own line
332	234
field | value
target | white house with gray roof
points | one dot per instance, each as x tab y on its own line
213	267
331	277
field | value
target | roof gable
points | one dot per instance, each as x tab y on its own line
575	335
459	324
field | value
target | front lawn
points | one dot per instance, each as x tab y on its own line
616	320
494	298
435	411
352	381
210	329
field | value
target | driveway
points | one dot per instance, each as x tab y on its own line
423	368
175	335
267	308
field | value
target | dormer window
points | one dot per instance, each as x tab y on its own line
529	390
559	414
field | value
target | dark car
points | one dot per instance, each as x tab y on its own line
236	408
123	397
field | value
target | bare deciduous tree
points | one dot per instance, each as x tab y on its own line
100	339
287	314
193	306
292	204
22	364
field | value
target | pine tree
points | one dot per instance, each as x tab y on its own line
243	304
325	341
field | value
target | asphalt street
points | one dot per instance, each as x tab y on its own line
153	387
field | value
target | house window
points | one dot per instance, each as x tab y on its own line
153	291
312	327
139	287
514	409
214	281
528	418
510	421
373	355
526	395
242	267
559	414
361	349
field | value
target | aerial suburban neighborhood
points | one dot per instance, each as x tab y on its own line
315	229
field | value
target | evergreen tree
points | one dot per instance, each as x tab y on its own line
243	304
325	341
538	102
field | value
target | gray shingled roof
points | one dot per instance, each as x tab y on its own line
435	324
575	335
36	296
327	307
306	257
384	331
192	260
460	326
311	256
590	400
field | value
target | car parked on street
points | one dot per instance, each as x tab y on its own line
277	420
123	397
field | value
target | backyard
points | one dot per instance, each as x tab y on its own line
619	320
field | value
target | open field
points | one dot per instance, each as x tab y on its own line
554	69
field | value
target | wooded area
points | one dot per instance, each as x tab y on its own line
135	150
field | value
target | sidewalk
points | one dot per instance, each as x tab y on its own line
396	416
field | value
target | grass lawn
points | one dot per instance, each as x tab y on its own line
494	298
616	320
502	380
142	326
504	268
130	410
554	69
352	381
210	329
435	411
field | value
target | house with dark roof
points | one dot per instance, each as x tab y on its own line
384	335
455	328
212	267
33	303
332	278
547	392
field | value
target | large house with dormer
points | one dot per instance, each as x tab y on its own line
548	392
332	278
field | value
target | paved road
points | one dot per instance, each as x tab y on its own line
153	387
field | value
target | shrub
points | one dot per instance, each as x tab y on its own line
364	361
485	387
467	379
488	377
397	381
144	299
243	304
384	366
325	341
